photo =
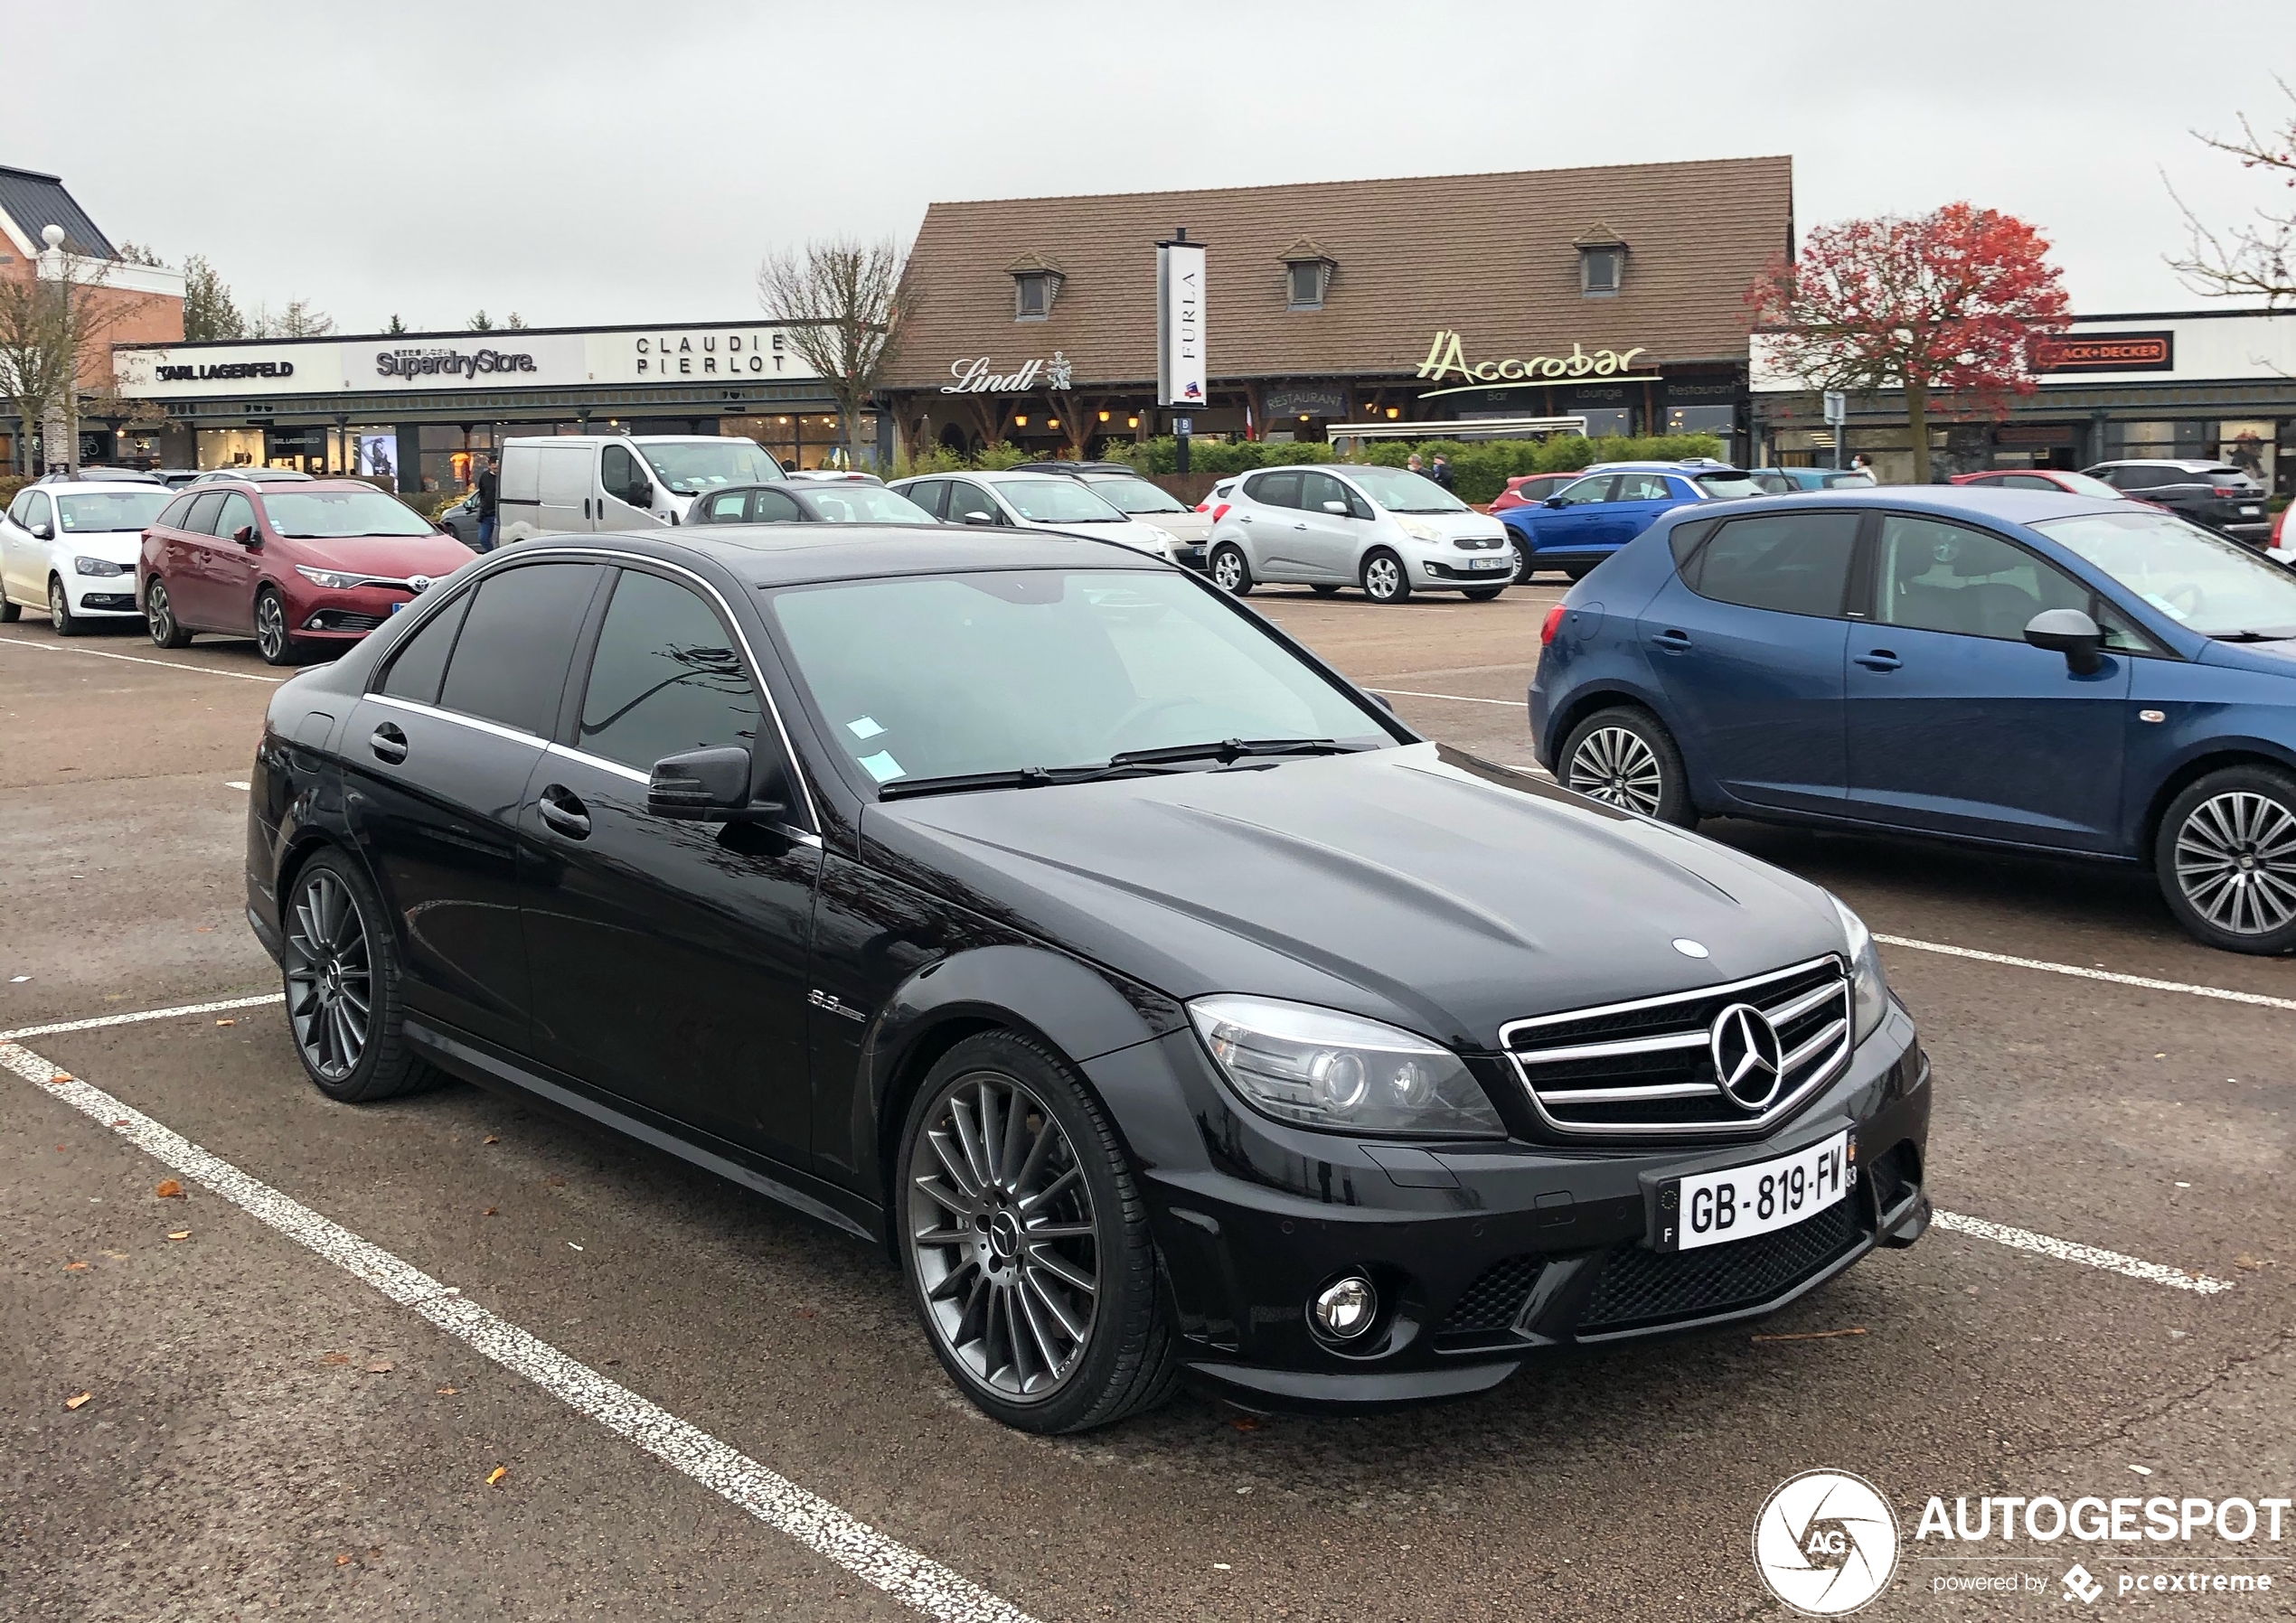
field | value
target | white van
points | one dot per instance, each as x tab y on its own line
594	481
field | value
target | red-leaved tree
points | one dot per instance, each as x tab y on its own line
1943	306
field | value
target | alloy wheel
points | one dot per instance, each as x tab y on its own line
329	976
270	627
1615	767
1227	570
59	605
1382	578
155	611
2236	862
1008	1252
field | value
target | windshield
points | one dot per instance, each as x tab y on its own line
2081	484
1399	489
1136	495
866	504
936	676
1057	499
317	514
690	465
111	509
2204	582
1729	487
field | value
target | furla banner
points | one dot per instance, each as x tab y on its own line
1180	322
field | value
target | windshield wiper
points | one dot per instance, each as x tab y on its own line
2251	636
1170	758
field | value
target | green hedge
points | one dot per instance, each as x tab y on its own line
1481	468
10	484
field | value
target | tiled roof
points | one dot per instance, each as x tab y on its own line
1490	255
33	202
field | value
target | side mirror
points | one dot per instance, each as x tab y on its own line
244	535
43	532
2070	633
712	785
980	518
1337	507
1384	702
1557	501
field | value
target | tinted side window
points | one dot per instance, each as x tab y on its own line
1597	489
1643	487
38	510
510	662
1932	576
201	518
665	678
1281	488
172	516
1794	563
238	511
967	499
727	508
20	508
774	507
422	661
1316	489
618	474
928	494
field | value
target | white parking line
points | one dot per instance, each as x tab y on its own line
2066	1251
904	1573
135	658
142	1015
1460	698
2223	994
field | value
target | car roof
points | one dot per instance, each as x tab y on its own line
2191	464
778	555
65	487
1980	503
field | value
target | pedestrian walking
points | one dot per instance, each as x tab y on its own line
488	489
1441	472
1858	465
1411	464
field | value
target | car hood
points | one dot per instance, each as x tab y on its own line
398	556
1189	527
113	545
1454	526
1415	885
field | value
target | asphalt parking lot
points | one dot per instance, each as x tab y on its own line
267	1434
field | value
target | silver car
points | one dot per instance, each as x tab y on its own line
1390	532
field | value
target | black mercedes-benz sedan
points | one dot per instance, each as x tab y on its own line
1159	1000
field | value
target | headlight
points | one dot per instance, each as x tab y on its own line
1418	531
1341	1072
99	565
1869	993
334	578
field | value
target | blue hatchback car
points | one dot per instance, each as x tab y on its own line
1587	521
2030	670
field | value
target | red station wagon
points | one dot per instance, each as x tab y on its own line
300	567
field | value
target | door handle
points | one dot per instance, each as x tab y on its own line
1244	518
1299	527
1878	659
563	811
388	744
1673	641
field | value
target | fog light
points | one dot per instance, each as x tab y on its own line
1345	1310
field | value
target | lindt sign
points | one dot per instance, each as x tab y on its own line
979	376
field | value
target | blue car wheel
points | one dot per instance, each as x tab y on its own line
1624	757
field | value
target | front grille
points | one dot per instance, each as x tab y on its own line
1479	543
107	600
1491	1303
1647	1067
1641	1287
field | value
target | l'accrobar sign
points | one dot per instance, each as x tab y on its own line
1447	354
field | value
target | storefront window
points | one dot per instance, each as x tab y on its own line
2252	447
448	454
231	448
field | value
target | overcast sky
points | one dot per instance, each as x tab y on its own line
587	163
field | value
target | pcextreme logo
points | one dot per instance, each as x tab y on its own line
1826	1543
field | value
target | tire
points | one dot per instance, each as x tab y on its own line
1385	579
2226	858
1524	565
273	641
1228	569
336	937
9	612
1482	594
1624	757
1033	1373
59	614
159	615
1577	572
1325	591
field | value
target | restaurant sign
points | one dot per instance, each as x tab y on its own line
1447	356
2154	352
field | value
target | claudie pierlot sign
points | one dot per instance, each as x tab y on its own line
1447	357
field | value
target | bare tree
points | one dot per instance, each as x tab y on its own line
2256	260
846	304
297	319
51	334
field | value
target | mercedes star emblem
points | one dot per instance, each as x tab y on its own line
1749	1061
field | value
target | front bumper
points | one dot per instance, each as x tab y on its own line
1192	558
1487	1257
1460	571
324	614
96	594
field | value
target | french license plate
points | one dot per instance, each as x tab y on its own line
397	606
1712	1208
1486	563
2252	512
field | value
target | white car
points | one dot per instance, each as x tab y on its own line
1388	530
69	547
1144	499
1021	500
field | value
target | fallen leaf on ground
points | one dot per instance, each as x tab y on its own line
448	1391
75	1267
75	1403
1815	1335
62	1077
808	1313
169	1189
490	1211
336	1359
2247	1259
117	1256
121	1123
181	1234
1245	1422
555	1181
342	1560
381	1366
204	929
226	1022
496	1475
490	1138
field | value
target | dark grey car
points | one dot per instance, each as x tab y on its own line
2227	499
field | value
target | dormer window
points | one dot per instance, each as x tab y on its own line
1307	274
1601	262
1036	284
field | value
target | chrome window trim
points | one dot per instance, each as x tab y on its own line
1827	1069
479	722
531	551
804	837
